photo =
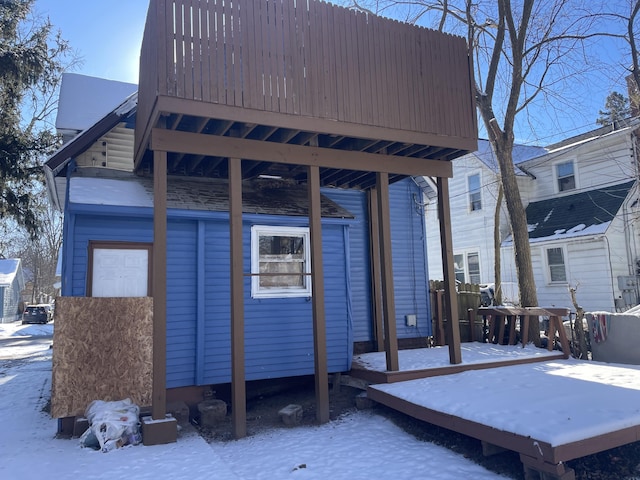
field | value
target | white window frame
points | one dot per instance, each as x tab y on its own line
261	291
557	178
465	265
478	192
548	266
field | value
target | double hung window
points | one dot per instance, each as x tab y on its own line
280	262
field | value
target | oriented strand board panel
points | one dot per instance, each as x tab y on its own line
102	350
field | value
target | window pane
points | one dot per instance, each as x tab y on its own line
565	169
555	259
281	254
566	177
473	263
475	202
458	267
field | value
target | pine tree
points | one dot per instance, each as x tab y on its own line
616	109
31	59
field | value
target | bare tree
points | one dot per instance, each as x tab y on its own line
39	254
523	52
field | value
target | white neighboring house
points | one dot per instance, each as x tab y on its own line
583	214
581	199
473	192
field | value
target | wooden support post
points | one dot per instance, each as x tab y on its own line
451	303
376	280
238	387
562	334
471	317
524	329
317	296
535	469
159	428
440	336
512	329
388	300
159	287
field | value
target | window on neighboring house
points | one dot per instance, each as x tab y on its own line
467	267
280	262
458	267
473	265
555	260
475	202
566	176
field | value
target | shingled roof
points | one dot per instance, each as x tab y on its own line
584	213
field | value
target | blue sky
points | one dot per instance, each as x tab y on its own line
105	33
107	36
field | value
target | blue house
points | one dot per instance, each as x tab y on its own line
265	170
11	286
110	209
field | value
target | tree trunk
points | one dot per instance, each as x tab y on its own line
520	233
496	249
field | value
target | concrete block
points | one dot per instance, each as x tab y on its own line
291	415
363	402
159	432
80	426
212	412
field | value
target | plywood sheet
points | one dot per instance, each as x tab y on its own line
102	350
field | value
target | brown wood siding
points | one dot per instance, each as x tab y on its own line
312	59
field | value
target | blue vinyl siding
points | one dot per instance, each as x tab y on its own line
409	252
181	302
355	201
276	344
278	331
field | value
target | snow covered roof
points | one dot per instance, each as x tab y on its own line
520	153
84	100
580	214
9	268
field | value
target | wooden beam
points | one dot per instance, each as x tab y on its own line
201	144
238	387
159	286
376	279
318	297
320	125
452	329
386	270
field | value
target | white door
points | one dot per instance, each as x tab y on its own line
120	272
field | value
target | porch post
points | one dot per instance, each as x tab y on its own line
318	297
238	387
452	330
376	281
386	270
159	286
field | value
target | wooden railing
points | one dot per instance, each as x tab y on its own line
306	58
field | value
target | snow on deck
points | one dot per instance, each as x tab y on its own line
438	357
557	402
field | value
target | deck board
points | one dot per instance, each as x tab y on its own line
530	409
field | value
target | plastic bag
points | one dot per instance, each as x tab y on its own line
112	424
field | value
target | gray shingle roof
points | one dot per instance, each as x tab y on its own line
575	213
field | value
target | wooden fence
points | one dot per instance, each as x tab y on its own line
468	298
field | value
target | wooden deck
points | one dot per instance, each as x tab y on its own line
518	405
436	363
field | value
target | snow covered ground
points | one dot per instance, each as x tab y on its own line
359	446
